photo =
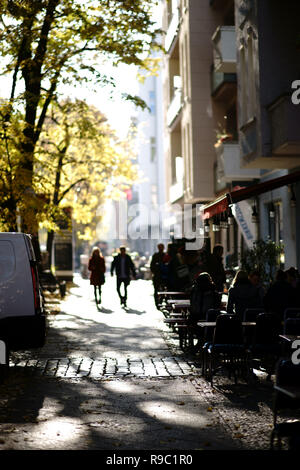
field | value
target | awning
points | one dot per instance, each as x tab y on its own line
222	203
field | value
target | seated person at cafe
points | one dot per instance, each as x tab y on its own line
242	295
204	296
281	295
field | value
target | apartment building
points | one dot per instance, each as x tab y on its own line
231	129
200	119
146	199
269	132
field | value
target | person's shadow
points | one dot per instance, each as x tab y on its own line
136	312
102	309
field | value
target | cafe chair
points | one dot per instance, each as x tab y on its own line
291	326
250	315
287	375
227	349
211	316
266	347
291	313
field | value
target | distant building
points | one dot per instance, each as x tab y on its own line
148	196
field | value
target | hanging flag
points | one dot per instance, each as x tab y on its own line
242	212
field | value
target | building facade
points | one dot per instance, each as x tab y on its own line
231	129
147	197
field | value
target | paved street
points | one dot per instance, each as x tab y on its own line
115	379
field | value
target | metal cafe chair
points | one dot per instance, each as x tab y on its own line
286	397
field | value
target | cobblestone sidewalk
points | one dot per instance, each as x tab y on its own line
76	367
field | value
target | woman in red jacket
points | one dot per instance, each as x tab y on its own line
97	267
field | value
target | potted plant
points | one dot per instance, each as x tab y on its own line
222	136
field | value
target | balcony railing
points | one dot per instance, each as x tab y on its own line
176	191
285	118
175	107
220	80
229	164
224	42
172	30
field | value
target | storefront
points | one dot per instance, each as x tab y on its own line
254	213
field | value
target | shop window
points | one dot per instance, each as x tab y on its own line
275	218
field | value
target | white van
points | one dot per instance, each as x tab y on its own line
22	318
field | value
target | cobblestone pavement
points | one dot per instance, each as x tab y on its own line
70	393
108	367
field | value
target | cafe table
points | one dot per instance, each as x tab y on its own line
171	293
292	391
289	338
204	324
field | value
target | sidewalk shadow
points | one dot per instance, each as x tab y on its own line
102	309
136	312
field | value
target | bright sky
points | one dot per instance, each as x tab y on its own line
117	111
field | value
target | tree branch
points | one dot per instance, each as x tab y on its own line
69	189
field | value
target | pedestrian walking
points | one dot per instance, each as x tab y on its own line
156	268
97	267
123	265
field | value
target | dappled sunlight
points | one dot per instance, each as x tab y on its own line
178	413
122	387
59	432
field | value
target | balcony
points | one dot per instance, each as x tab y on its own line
224	49
175	107
228	167
223	85
172	30
176	190
285	118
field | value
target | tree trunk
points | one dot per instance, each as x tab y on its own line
50	239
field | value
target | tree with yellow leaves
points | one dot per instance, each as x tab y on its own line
79	162
47	43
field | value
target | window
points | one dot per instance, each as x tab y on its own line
7	261
186	67
244	112
152	102
153	149
251	80
275	221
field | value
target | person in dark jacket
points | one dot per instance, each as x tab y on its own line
156	268
96	265
242	295
280	295
203	297
215	267
123	265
